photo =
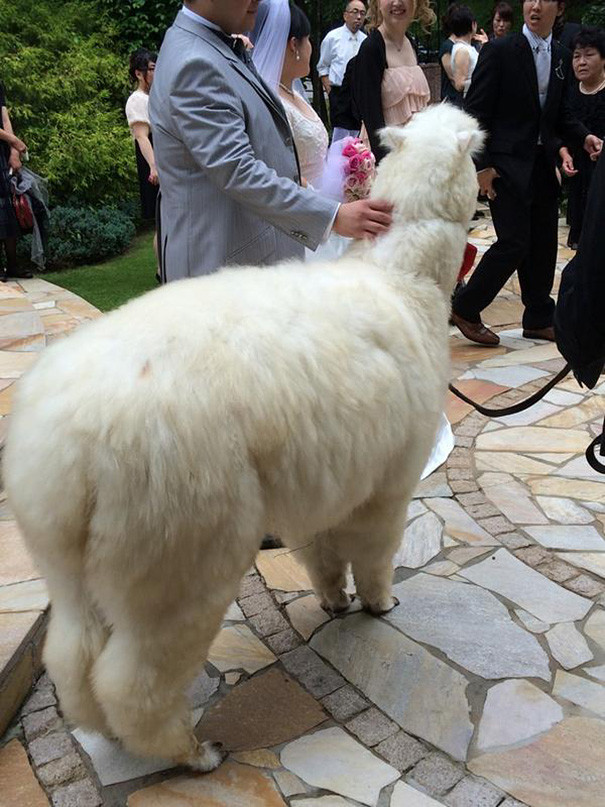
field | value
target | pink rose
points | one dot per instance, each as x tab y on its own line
367	164
349	150
355	163
362	176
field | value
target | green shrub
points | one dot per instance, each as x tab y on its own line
65	74
85	235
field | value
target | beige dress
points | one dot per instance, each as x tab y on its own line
404	91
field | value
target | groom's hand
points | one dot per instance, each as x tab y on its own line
366	218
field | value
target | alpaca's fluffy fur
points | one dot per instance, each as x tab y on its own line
150	451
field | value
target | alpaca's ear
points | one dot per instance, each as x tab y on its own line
470	141
393	138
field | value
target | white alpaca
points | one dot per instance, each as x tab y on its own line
150	451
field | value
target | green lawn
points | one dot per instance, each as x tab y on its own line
111	283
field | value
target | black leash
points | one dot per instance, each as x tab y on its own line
515	408
591	458
598	442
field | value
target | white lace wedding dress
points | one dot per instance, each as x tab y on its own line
311	139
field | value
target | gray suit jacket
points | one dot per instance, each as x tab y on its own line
226	161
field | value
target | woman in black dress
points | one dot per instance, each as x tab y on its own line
11	149
586	100
142	66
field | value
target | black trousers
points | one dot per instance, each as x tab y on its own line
526	228
340	108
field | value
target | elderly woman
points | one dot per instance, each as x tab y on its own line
11	150
586	99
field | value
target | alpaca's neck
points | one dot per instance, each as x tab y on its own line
429	248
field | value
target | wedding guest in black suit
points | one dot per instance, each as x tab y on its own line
517	95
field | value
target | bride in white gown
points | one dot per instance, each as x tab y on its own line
282	55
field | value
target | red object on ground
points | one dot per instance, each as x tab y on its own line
470	253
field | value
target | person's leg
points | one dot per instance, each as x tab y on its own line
333	103
10	247
537	272
511	217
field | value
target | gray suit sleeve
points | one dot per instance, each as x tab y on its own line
209	118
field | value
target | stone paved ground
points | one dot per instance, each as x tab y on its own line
485	687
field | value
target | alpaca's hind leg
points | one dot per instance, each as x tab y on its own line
327	569
140	679
75	638
373	536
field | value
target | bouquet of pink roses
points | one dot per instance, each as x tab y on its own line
359	169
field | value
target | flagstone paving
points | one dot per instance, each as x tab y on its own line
484	687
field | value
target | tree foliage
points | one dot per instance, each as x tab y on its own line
140	23
66	83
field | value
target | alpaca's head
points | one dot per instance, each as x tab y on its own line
429	172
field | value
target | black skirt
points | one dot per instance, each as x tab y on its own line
9	226
149	192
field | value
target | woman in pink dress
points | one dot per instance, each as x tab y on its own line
387	60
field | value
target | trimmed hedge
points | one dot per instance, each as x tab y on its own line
83	235
78	236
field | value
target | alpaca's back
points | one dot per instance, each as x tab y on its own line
301	373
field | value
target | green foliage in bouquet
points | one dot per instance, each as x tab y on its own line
66	84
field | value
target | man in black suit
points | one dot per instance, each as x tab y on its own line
517	94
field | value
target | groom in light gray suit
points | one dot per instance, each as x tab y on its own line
226	160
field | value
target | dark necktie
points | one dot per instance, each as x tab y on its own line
237	46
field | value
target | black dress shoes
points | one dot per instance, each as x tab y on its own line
271	542
547	334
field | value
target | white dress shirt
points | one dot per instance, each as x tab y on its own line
337	49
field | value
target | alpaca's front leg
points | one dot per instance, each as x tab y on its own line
327	571
372	540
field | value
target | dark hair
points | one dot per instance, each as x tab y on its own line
139	60
446	23
300	27
461	20
590	38
504	11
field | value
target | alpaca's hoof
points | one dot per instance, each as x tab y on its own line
380	608
208	757
337	606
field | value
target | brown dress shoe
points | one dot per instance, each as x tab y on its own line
548	334
475	331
